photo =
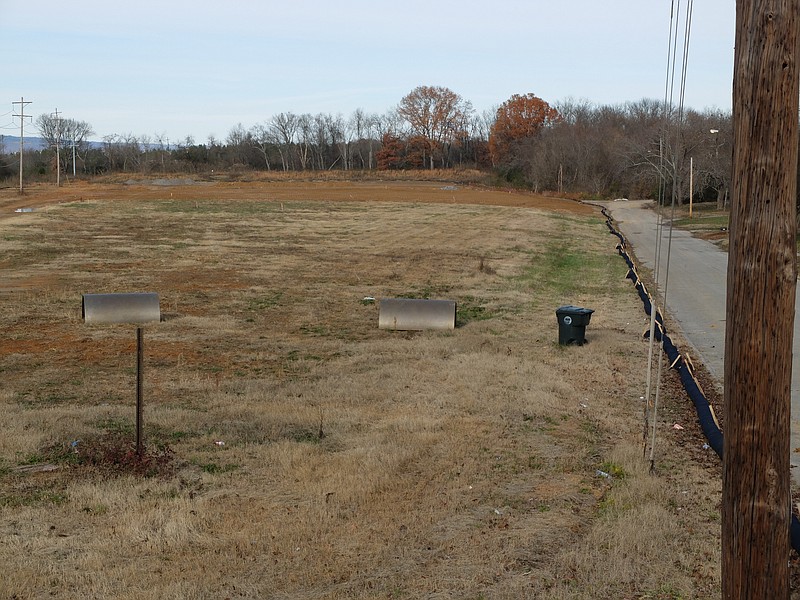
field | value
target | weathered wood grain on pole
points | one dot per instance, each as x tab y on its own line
762	278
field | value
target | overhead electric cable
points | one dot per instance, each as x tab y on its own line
676	186
661	192
662	140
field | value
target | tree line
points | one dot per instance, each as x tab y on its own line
636	149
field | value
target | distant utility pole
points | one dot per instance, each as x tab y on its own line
691	184
73	152
58	153
762	283
22	116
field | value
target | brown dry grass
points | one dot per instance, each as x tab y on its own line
356	463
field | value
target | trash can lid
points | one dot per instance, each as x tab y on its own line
573	310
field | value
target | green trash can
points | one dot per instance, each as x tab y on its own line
572	322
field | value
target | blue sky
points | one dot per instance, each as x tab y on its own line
179	68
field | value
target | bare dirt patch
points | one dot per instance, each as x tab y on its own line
284	189
315	455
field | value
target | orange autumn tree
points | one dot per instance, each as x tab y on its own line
435	114
519	118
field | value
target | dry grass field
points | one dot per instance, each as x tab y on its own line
294	450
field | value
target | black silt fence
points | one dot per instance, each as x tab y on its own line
683	366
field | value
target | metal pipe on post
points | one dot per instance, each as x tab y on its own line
762	281
139	403
136	308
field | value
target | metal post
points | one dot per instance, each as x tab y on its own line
58	150
139	377
691	184
135	308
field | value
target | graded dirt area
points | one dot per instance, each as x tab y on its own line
295	450
285	189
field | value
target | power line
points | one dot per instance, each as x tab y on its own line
651	408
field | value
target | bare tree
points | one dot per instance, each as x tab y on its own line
359	124
284	126
321	142
389	122
660	146
65	133
238	145
575	111
122	151
131	152
263	139
163	149
434	113
305	128
338	132
110	147
709	142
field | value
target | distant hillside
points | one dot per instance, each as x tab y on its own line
9	144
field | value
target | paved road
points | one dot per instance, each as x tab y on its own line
696	292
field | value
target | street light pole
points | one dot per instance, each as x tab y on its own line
714	133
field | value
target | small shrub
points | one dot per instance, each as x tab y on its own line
115	454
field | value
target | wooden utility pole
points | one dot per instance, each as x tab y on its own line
58	149
762	279
22	116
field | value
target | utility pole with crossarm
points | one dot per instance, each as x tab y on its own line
22	116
